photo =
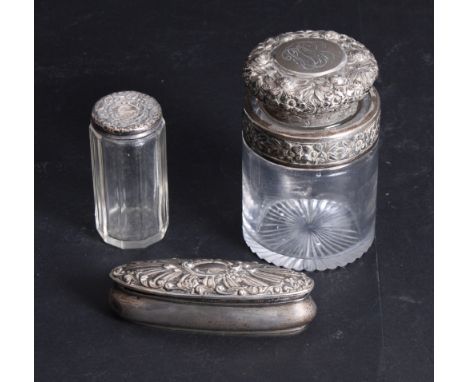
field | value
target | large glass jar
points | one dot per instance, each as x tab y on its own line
128	155
310	129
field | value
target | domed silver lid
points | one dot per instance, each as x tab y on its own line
213	279
310	78
126	113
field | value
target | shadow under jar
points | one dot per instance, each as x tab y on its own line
128	155
310	129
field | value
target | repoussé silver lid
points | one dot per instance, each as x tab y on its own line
126	113
310	78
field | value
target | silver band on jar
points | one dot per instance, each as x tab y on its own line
315	147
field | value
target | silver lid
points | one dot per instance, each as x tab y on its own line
310	78
126	113
212	279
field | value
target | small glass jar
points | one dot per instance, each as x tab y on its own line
310	129
128	155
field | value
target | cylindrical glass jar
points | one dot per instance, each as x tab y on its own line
128	155
309	165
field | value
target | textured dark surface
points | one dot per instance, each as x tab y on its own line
374	319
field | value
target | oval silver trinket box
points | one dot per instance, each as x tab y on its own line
212	295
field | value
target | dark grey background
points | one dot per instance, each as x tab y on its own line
375	319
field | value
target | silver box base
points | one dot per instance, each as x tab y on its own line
248	319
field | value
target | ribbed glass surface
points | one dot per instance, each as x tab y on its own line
130	188
309	219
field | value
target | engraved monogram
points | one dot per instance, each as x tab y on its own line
308	55
211	278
